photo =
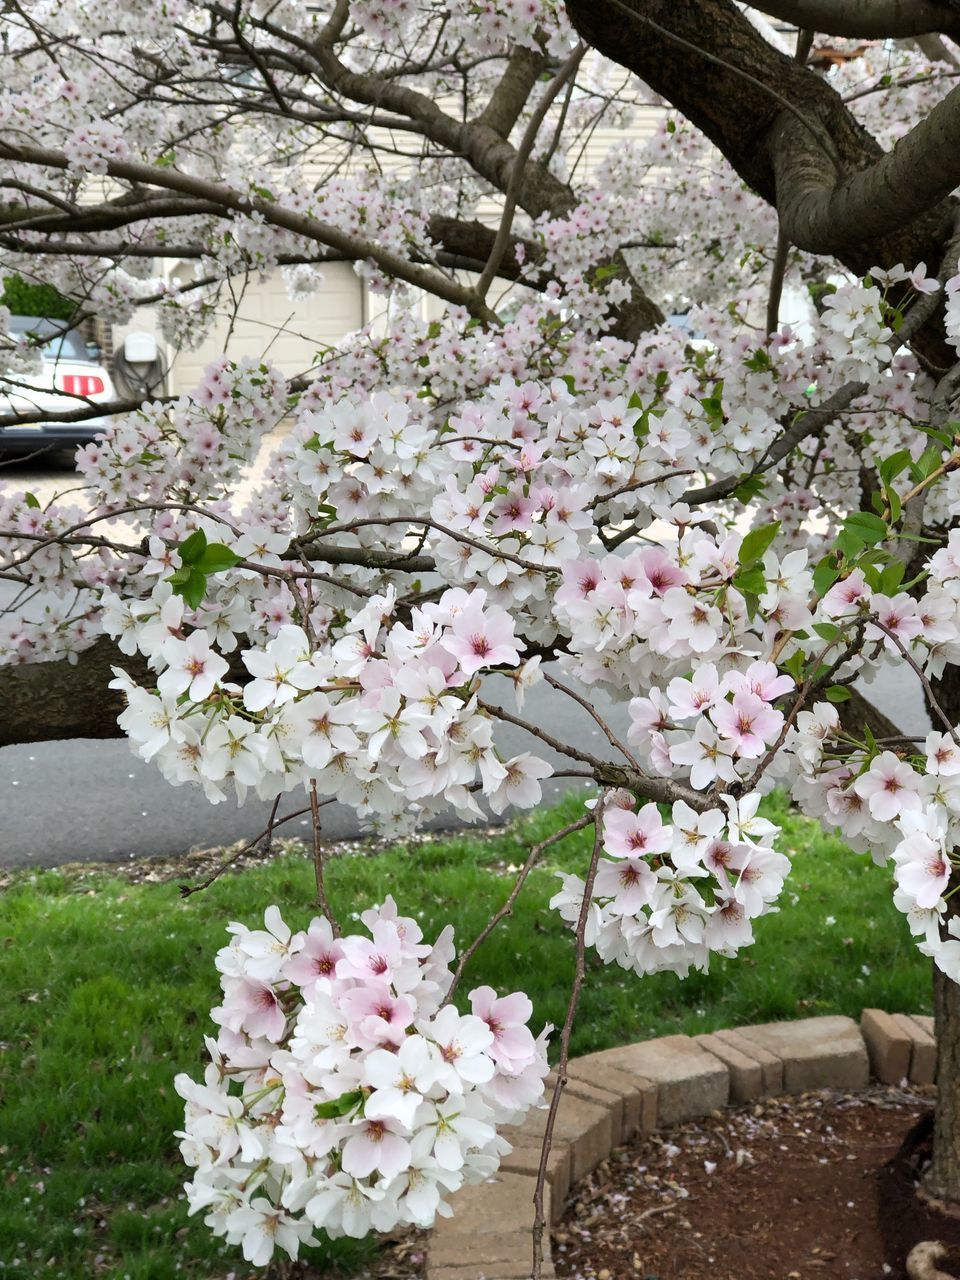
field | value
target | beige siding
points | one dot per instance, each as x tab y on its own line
296	330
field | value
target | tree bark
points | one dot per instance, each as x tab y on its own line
867	19
942	1179
49	701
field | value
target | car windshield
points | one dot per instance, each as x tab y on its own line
68	346
58	345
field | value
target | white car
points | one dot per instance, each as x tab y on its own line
73	376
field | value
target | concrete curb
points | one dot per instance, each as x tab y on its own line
634	1089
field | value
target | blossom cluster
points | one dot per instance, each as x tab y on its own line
344	1092
669	894
387	719
897	799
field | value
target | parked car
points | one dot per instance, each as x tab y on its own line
73	374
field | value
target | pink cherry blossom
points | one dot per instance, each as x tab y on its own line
889	786
748	722
628	835
513	1045
482	638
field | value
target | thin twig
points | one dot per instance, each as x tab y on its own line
518	168
611	736
919	672
312	545
186	890
322	901
563	748
533	857
578	974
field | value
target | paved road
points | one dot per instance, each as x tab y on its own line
61	801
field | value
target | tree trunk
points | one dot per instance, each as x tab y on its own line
943	1177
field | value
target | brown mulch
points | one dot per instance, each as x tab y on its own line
802	1188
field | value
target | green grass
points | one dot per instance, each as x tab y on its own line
106	987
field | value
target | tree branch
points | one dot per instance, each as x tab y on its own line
428	279
867	19
710	62
826	215
50	701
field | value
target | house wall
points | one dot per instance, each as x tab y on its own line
291	333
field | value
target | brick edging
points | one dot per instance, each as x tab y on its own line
634	1089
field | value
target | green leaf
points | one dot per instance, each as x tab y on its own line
891	577
32	500
825	575
750	581
194	589
894	503
826	630
945	438
891	467
794	664
757	542
928	461
849	544
838	693
865	526
749	489
759	361
192	548
216	557
337	1107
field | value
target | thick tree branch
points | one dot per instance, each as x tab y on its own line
465	245
83	414
867	19
50	701
826	215
431	281
507	101
712	64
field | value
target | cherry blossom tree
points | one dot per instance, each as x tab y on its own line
732	526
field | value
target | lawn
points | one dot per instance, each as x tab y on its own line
106	987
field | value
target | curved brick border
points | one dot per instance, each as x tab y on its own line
613	1095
